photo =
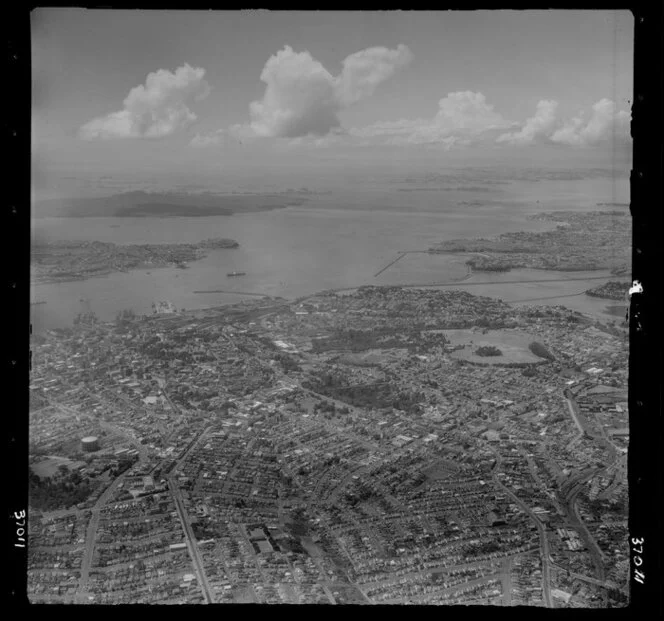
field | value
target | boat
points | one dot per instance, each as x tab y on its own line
236	273
38	302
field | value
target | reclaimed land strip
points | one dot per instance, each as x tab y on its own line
260	295
77	260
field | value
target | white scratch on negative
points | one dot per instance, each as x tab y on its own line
635	288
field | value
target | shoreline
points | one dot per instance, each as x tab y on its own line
472	278
122	258
576	244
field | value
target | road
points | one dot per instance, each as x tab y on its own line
192	543
82	594
572	410
544	542
576	522
91	533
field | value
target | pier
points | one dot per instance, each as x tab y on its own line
402	254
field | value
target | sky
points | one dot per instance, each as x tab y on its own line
214	92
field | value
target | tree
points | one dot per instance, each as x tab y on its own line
488	350
539	350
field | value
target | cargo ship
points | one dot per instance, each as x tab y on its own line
230	274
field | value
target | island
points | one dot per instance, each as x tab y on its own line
580	242
76	260
141	204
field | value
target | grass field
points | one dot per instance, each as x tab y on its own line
49	466
513	346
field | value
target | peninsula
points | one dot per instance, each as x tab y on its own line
612	290
580	242
77	260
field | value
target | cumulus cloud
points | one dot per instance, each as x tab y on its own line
209	140
539	126
303	98
156	109
468	111
235	134
462	117
606	123
363	71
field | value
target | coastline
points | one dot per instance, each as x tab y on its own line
515	287
578	243
72	261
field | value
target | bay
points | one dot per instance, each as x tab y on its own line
337	239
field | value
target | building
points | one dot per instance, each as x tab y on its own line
90	444
148	483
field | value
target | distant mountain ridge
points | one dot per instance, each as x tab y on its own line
154	204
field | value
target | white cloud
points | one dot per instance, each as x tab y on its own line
302	97
465	110
210	140
536	127
606	123
235	134
363	71
462	118
154	110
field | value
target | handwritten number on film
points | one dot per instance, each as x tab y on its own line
637	543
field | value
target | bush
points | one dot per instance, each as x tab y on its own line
539	350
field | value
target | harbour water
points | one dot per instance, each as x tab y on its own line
341	239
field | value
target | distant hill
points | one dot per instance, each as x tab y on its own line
155	204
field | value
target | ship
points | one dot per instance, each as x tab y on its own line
38	302
236	273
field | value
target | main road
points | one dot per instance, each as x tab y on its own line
192	543
82	595
544	542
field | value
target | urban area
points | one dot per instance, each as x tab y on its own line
387	445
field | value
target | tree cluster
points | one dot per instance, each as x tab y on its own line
539	350
61	492
488	350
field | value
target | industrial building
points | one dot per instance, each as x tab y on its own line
90	444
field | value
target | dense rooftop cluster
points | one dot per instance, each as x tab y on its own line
339	449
